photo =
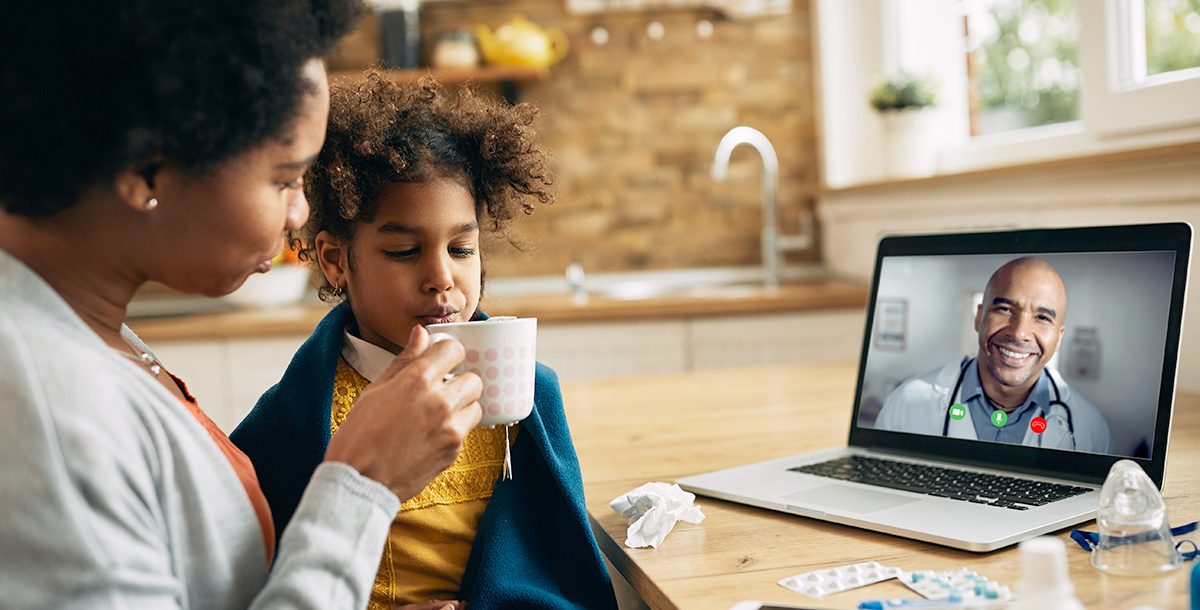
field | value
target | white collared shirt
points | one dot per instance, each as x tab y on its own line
368	359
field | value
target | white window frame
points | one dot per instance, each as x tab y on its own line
1123	99
1120	109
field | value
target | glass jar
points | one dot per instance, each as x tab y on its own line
455	50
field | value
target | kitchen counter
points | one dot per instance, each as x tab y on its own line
809	295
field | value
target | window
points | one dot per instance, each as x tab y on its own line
1172	35
1023	57
1022	63
1141	58
1018	81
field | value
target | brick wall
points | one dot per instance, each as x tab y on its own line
632	126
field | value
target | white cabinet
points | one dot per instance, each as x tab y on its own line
581	350
820	336
253	366
228	375
200	364
615	349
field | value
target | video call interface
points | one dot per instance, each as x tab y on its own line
1060	351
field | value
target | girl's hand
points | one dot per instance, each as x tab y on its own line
409	425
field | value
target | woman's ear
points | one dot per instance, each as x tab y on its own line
333	257
135	186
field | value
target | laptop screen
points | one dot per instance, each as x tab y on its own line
1024	340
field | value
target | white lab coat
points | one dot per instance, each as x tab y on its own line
919	405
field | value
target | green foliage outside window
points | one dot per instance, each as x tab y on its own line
1024	65
1172	35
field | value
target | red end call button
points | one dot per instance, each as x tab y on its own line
1038	425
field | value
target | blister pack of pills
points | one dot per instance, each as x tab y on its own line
819	583
956	585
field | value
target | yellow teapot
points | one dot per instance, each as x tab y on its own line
521	42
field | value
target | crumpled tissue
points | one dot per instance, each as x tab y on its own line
653	510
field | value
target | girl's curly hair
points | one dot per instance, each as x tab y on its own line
381	132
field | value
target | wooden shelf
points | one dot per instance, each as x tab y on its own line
482	74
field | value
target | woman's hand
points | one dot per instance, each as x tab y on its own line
409	425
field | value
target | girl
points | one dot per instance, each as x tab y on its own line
408	179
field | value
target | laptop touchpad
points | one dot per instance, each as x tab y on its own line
850	499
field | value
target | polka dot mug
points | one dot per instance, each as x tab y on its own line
501	350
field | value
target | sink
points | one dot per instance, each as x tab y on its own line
646	289
712	283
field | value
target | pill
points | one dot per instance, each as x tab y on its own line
961	584
819	583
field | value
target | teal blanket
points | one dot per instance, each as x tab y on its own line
534	548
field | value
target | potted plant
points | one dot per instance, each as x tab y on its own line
902	100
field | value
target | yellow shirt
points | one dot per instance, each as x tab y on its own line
430	540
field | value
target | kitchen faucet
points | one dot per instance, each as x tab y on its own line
577	283
772	243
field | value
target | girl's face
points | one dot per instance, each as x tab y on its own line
214	230
416	262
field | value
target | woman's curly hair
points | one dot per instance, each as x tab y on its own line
381	132
91	89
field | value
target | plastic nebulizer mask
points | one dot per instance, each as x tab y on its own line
1135	536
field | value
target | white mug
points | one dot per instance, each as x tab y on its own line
502	351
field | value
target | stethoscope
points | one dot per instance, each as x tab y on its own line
1057	401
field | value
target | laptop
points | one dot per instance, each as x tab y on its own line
1001	376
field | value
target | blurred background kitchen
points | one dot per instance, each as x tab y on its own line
867	117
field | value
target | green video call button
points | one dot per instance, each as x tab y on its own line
958	411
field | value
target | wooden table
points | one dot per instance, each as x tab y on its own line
632	431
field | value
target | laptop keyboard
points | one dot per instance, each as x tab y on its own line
979	488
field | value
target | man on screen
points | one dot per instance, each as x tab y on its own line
1005	393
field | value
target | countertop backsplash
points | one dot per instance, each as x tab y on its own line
632	125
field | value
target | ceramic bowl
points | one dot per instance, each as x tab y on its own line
282	285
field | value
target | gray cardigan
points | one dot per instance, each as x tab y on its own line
112	495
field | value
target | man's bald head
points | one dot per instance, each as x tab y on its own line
1029	268
1020	324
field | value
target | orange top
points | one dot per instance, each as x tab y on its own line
242	466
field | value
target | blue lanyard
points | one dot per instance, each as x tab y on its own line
1090	540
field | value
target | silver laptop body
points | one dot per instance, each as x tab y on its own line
1126	289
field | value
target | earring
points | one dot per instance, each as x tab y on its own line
151	203
337	291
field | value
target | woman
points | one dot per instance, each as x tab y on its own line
165	140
